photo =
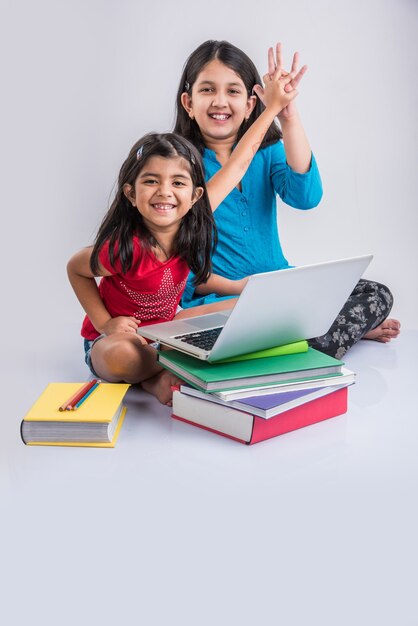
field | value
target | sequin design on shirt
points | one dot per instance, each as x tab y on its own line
160	304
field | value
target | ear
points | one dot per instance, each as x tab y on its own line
187	103
129	193
198	193
251	102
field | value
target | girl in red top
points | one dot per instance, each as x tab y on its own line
159	226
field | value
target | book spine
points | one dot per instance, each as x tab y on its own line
211	430
312	412
21	432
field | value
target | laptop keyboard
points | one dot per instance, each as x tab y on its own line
204	339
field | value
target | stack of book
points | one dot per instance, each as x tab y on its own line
253	399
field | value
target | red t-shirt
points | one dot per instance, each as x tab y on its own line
150	290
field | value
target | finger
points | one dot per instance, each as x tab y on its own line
287	80
271	62
131	327
142	340
279	56
259	92
299	76
133	319
267	78
295	62
280	73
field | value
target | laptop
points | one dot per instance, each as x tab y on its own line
274	308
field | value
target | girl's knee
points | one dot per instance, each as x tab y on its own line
118	357
384	293
388	295
376	293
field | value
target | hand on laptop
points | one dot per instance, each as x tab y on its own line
120	324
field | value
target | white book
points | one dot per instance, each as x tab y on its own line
230	422
346	377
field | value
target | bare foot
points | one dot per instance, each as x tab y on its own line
160	386
387	330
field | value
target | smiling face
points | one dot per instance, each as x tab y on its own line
219	103
163	193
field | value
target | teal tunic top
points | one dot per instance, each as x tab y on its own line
249	241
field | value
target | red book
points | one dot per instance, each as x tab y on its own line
247	428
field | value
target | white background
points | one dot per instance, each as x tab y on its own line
83	80
176	525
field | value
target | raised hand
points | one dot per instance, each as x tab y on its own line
276	95
275	64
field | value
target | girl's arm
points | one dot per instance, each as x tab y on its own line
84	284
222	286
275	99
296	145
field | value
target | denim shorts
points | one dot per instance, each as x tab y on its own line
88	344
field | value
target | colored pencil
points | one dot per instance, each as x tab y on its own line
90	391
81	395
68	405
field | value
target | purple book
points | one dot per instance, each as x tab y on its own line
276	399
276	403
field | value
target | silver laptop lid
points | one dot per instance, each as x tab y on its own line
288	305
274	308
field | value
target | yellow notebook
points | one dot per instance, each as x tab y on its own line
97	422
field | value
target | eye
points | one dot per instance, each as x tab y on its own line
179	183
234	92
149	181
206	89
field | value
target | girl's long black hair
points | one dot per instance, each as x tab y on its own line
196	237
239	62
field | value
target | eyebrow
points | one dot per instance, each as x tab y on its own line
211	82
143	174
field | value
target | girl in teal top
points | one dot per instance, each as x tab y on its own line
247	219
219	97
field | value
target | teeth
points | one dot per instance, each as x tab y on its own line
163	206
217	116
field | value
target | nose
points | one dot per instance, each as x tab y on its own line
219	99
164	189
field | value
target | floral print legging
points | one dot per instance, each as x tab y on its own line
367	306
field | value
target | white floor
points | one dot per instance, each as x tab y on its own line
177	525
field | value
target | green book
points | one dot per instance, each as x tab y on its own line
211	377
287	348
